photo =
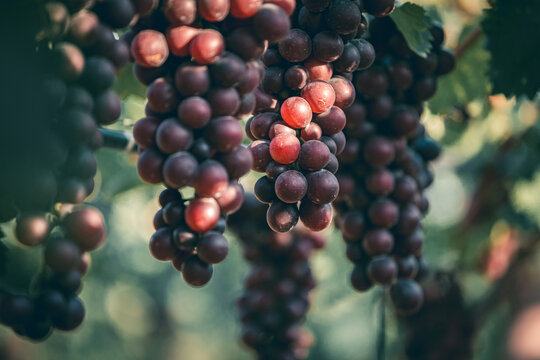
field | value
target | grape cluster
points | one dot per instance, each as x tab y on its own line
53	301
177	240
52	151
70	65
276	300
297	132
385	169
426	339
200	62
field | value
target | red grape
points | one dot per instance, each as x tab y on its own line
202	214
296	112
285	148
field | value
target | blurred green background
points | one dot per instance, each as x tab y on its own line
139	308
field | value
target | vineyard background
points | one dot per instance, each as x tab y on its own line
484	204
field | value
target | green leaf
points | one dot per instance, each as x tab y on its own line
413	23
513	36
468	82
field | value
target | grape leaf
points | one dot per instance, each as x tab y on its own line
413	23
513	37
468	81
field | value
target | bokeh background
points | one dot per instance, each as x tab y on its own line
484	207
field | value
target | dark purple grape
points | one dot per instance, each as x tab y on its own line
380	182
194	112
237	162
378	242
282	217
383	212
224	133
315	217
296	46
243	42
192	79
382	270
172	137
61	255
343	16
271	23
314	155
331	121
349	59
378	152
116	13
359	279
212	248
296	77
272	82
327	46
352	225
323	187
161	96
223	102
98	75
264	190
161	245
196	272
228	70
379	8
291	186
180	170
367	53
407	296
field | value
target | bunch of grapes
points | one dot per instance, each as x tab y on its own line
306	87
426	339
385	169
200	62
69	63
276	300
53	301
76	61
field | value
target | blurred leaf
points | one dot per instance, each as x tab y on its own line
3	254
513	38
468	81
413	23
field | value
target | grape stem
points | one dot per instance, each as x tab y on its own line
118	140
381	337
468	42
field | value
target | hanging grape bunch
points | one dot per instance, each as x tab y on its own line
385	169
276	298
53	302
73	59
200	62
298	130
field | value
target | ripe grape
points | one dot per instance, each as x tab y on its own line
284	149
320	95
296	112
207	46
202	214
291	186
282	217
323	187
149	48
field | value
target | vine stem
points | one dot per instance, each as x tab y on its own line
468	42
118	140
482	309
381	337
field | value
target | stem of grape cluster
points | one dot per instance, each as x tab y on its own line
118	140
381	337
